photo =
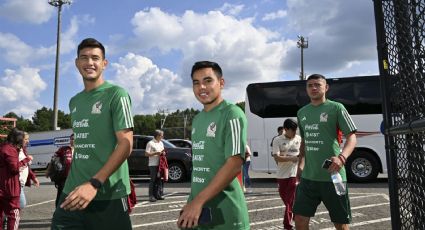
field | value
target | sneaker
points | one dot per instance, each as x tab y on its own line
249	190
152	199
160	198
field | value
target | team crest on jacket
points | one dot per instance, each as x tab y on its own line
323	117
96	108
211	130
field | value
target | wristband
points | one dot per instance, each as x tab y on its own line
95	183
342	158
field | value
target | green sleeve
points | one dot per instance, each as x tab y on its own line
121	110
345	123
235	133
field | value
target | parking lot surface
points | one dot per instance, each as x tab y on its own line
369	205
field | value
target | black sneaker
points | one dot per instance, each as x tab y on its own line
152	199
160	198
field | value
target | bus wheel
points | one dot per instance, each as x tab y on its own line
362	166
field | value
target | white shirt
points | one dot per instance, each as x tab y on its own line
23	171
282	146
151	147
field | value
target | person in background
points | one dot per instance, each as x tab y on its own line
218	153
10	188
26	175
247	179
97	187
64	154
154	149
279	132
286	149
318	122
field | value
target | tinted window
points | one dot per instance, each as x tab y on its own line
140	142
167	144
360	95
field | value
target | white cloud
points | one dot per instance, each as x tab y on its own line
33	11
275	15
157	28
19	91
17	52
340	33
231	9
245	52
150	87
13	49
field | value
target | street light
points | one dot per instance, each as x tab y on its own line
303	44
58	4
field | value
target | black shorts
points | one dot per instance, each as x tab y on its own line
99	214
309	194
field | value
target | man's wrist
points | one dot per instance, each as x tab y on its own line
95	183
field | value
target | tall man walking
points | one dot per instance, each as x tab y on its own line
218	152
319	122
95	192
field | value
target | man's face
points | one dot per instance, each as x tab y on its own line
316	88
207	86
289	133
91	63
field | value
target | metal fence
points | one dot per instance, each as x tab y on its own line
401	51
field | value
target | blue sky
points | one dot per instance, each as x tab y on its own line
152	45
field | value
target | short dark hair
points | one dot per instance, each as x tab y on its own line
90	43
207	64
290	124
16	137
280	128
316	76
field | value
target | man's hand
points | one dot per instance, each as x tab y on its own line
80	197
189	215
336	165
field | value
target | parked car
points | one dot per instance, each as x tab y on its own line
181	143
179	159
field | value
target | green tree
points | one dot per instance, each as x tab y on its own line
21	123
43	120
144	124
241	105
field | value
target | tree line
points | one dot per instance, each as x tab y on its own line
177	124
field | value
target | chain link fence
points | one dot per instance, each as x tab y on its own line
401	51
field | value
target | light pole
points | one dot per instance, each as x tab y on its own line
58	4
303	44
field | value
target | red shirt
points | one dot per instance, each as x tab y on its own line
65	154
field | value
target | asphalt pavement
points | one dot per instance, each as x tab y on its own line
369	204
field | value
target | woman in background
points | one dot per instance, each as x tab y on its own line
10	187
26	175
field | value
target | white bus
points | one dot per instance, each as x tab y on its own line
267	105
43	145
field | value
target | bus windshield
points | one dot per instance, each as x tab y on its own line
360	95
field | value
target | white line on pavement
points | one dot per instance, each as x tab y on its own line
319	213
155	212
36	204
155	223
363	223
